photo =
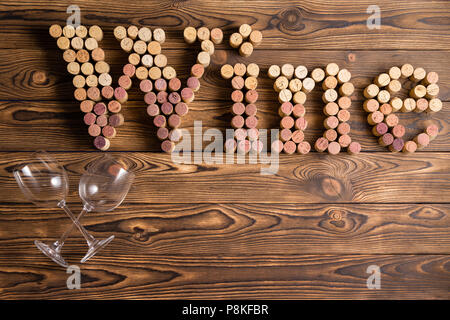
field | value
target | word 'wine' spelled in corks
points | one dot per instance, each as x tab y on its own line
292	85
382	103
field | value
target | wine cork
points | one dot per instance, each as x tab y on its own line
394	86
383	96
153	73
87	68
80	94
344	76
77	43
159	121
246	49
343	115
409	147
167	146
432	131
153	110
132	32
125	82
331	109
298	110
69	55
252	133
96	33
287	122
98	54
216	36
101	67
140	47
227	71
256	38
181	109
285	109
102	120
343	128
422	140
194	83
79	81
73	68
330	134
354	148
92	80
129	70
295	85
154	48
434	105
303	147
107	91
281	83
159	35
204	59
169	72
391	120
68	31
382	80
299	97
203	33
120	32
237	83
114	106
397	145
421	105
89	118
90	44
380	129
430	78
145	34
160	84
308	85
134	59
418	74
245	30
251	122
87	106
174	84
207	46
174	121
298	136
287	70
301	123
162	133
344	102
347	89
116	120
407	70
243	146
371	105
395	73
238	108
187	95
198	70
375	117
94	130
330	82
251	83
432	91
386	109
418	91
127	44
284	95
396	103
240	69
398	131
386	139
100	108
289	147
55	31
317	74
331	122
237	96
230	146
251	96
371	91
334	148
63	43
257	146
301	72
240	134
321	144
285	135
174	98
175	135
251	109
237	122
190	35
161	97
409	104
329	95
120	94
332	69
277	146
93	93
236	40
274	72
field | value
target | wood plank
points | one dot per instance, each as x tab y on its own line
34	276
313	178
409	25
248	229
17	67
65	130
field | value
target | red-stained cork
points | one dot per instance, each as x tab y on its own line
174	121
114	106
253	134
80	94
331	109
277	146
167	146
343	115
331	122
397	145
159	121
287	122
398	131
343	128
116	120
380	129
197	70
289	147
386	109
299	110
391	120
354	148
174	98
251	109
237	96
432	131
108	92
102	143
174	84
94	130
237	83
181	109
243	146
230	146
160	84
102	120
421	105
422	140
344	102
167	108
93	93
321	144
152	110
121	94
285	109
187	95
334	148
298	136
409	147
257	146
193	83
89	118
100	108
146	85
371	105
237	122
301	124
109	132
162	133
129	70
285	135
238	108
240	134
386	139
161	97
251	96
251	122
86	106
303	147
330	134
344	140
150	97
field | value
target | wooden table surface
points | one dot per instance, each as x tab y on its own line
226	231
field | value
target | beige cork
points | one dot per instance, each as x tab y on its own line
431	77
418	92
295	85
394	86
160	60
227	71
145	34
240	69
153	73
274	72
256	38
308	85
395	73
126	44
407	70
79	81
418	74
396	104
434	105
96	33
371	91
432	90
102	67
55	31
132	32
63	43
91	44
159	35
382	80
409	104
236	40
154	48
134	59
299	97
69	55
147	60
332	69
204	59
251	83
207	46
347	89
140	47
329	95
246	49
280	83
190	34
169	72
92	80
284	95
69	31
77	43
287	70
344	76
73	68
301	72
143	73
87	68
245	30
330	82
383	96
203	33
253	70
120	32
318	74
216	36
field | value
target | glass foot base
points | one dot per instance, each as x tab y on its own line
95	248
51	253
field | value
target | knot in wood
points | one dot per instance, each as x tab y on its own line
291	19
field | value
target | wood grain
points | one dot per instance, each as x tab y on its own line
316	178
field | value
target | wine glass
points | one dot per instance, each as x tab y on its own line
103	187
44	182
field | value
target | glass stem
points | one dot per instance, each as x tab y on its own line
89	239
